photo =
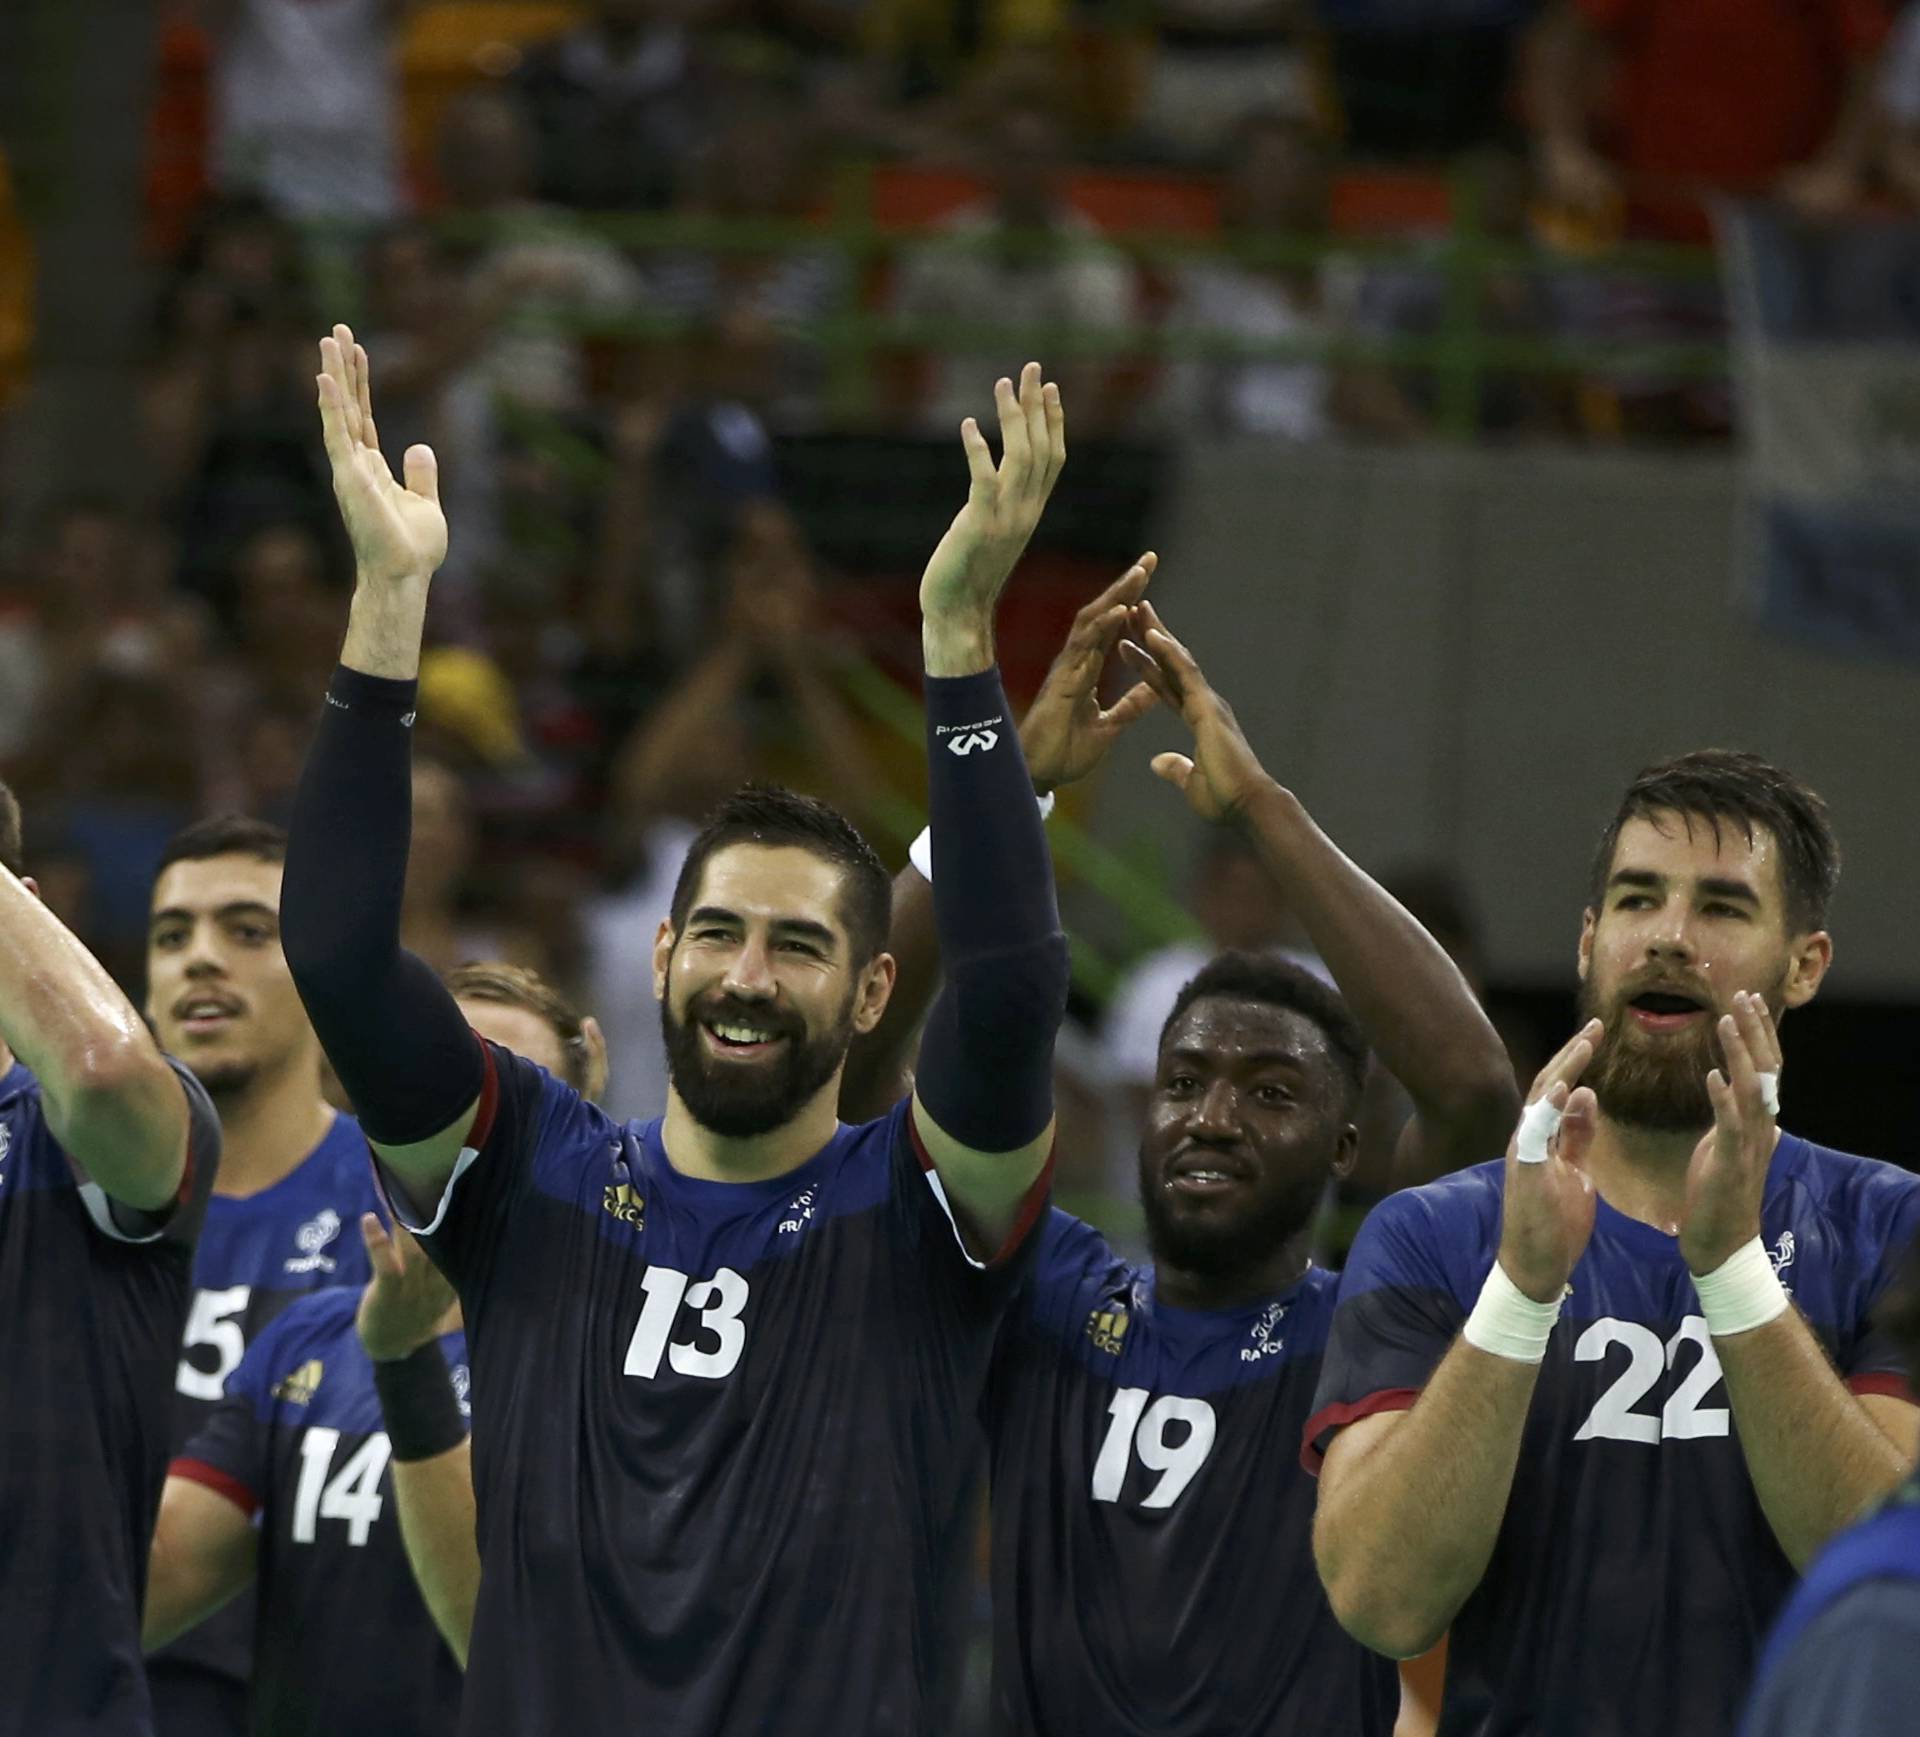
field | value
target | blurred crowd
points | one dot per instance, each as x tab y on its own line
634	615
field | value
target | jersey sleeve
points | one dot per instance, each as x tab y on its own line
1850	1674
524	1113
1871	1362
230	1453
933	1221
177	1223
1398	1311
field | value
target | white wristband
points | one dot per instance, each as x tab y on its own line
920	852
1742	1293
1509	1323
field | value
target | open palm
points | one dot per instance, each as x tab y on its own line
398	532
1067	732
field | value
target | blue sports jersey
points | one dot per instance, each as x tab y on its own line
343	1642
1634	1573
1152	1552
256	1255
90	1318
722	1430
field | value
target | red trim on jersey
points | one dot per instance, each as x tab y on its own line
1332	1417
1032	1203
481	1129
221	1483
1892	1386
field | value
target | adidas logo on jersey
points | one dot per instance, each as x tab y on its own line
299	1387
1107	1328
311	1239
1265	1340
623	1200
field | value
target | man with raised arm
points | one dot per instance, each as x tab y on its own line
107	1153
1588	1410
725	1363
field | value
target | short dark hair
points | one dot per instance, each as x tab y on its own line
767	814
516	986
225	835
1723	786
1277	982
12	849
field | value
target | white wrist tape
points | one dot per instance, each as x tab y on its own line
1509	1323
1742	1293
1769	1082
920	852
1539	1122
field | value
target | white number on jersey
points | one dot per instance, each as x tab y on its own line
719	1301
1683	1417
1141	1428
212	1321
353	1495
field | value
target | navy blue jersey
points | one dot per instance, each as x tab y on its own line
256	1255
1635	1573
343	1641
1152	1553
722	1430
92	1299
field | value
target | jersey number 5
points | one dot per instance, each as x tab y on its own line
1143	1428
719	1301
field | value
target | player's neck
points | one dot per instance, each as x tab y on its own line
1186	1288
267	1128
1642	1172
696	1150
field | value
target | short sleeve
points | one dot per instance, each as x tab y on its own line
1396	1316
932	1235
179	1223
524	1112
229	1454
1850	1674
1871	1361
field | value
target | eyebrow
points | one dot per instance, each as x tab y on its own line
1715	886
1259	1058
223	913
804	927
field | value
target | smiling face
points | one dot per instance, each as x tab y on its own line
1691	914
760	993
1249	1118
218	989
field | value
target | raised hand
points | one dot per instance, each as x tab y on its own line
1223	771
397	529
1065	733
963	580
402	1308
1727	1175
1546	1214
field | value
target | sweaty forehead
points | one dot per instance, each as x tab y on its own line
1681	846
211	882
1230	1031
772	883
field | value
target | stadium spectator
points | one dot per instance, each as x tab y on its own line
435	921
620	104
1495	1474
1844	1658
305	103
1742	97
107	1154
294	1178
1024	259
1215	63
1275	194
895	1304
1425	78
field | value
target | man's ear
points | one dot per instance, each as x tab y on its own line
1584	959
875	991
32	885
1809	961
1346	1152
663	940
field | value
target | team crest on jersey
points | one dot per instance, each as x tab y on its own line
623	1200
6	1140
1107	1328
312	1239
462	1389
1781	1254
799	1210
1264	1337
299	1387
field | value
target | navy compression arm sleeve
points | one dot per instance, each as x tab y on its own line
406	1057
986	1059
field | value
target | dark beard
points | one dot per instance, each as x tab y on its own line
1661	1088
1224	1249
742	1103
225	1081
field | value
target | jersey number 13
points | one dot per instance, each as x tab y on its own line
717	1341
